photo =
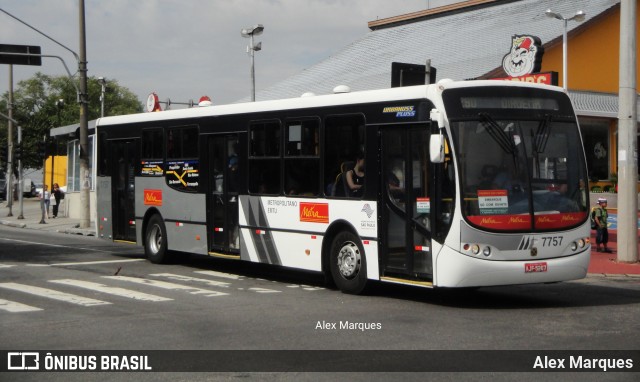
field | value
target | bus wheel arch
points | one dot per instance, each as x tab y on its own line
154	238
344	259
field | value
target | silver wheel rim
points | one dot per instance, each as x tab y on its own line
155	239
349	260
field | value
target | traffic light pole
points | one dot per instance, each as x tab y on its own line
20	177
42	197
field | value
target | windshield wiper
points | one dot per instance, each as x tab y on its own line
542	135
496	132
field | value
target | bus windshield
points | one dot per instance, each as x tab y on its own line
521	162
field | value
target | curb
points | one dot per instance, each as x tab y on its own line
12	224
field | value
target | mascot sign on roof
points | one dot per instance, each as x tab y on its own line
525	56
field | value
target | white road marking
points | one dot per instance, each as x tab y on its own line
188	278
6	266
16	307
111	290
54	245
219	274
263	290
53	294
86	263
166	285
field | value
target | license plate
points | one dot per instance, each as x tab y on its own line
535	267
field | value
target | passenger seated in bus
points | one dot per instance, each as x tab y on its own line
355	178
339	187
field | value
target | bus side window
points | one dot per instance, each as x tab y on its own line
343	140
301	162
265	157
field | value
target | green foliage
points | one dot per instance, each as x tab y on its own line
35	107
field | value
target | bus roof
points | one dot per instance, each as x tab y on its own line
368	96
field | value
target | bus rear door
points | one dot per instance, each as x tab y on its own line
124	159
406	203
225	164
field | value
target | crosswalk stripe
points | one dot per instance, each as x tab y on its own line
219	274
263	290
188	278
167	285
16	307
121	292
85	263
53	294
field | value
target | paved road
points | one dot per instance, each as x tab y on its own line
70	292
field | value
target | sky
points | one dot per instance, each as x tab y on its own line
184	49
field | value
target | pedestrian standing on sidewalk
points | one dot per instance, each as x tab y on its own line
57	195
602	233
46	198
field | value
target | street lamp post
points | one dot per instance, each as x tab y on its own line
250	32
103	87
579	16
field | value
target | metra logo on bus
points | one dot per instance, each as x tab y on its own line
314	212
401	111
153	197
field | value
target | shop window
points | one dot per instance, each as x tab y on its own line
595	135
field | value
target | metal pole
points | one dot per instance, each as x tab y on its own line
20	177
253	73
85	214
103	89
42	197
564	55
10	155
627	137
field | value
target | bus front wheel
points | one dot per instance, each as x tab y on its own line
155	241
348	263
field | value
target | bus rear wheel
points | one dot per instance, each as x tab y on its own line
348	264
155	241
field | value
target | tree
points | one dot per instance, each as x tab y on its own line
35	108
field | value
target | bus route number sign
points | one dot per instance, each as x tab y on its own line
535	267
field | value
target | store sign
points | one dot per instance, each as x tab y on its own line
547	78
524	57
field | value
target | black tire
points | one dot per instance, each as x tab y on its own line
155	241
348	263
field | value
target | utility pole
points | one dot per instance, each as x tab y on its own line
85	176
627	137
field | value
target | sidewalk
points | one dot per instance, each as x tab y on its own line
32	213
601	263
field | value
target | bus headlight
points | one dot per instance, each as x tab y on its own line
574	246
486	251
581	243
475	249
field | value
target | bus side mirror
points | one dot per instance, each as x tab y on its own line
436	148
436	143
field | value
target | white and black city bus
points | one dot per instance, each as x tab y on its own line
466	184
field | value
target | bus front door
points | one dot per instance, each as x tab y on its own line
222	198
124	160
406	203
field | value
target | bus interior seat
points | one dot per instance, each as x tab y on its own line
340	187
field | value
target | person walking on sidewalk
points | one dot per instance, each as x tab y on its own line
46	198
602	233
57	195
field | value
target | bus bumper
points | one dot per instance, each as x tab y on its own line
455	270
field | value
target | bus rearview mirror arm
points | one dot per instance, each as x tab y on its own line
436	141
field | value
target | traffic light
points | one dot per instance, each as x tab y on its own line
42	149
17	152
3	153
